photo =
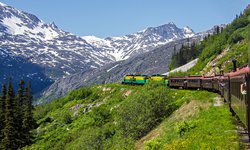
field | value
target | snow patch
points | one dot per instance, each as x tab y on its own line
184	67
2	4
112	68
188	32
17	27
98	42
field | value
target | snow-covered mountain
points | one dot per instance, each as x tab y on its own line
149	63
59	52
124	47
63	53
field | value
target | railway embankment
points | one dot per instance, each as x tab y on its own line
202	122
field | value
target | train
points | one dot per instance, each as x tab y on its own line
144	79
234	87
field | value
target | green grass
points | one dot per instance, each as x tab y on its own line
199	125
122	114
102	117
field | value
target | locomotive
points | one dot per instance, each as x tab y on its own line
143	79
234	87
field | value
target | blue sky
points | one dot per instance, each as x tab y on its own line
104	18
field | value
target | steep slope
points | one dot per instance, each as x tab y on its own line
152	62
22	69
183	68
116	116
220	49
60	52
63	53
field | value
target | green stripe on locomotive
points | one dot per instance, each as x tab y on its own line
128	79
140	79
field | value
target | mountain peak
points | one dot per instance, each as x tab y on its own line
171	23
187	29
2	4
53	25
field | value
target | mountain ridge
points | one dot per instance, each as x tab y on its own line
122	47
54	45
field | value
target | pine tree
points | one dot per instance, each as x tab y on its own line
9	140
221	29
174	49
19	103
193	51
28	121
2	111
236	17
217	29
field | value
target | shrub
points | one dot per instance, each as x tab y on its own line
153	145
66	118
143	111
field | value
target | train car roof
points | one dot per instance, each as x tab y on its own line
194	77
180	77
240	71
207	77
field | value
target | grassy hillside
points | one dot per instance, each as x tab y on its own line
201	123
232	42
117	116
102	117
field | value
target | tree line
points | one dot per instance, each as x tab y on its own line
16	117
191	50
184	55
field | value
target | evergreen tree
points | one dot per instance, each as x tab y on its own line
221	29
217	29
9	140
28	121
2	111
174	49
19	103
241	14
236	17
194	53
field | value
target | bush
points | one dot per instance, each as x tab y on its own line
235	38
143	111
66	118
153	145
184	127
80	93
